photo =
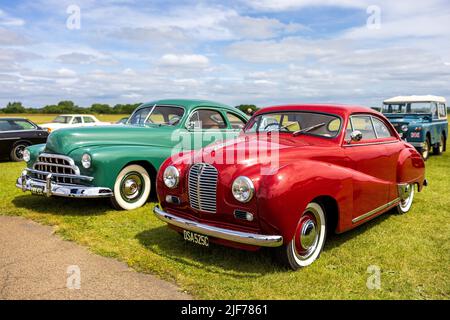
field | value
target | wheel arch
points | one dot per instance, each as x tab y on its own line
331	209
28	142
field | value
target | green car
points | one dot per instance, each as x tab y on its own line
121	161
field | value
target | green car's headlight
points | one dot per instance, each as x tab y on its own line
171	177
86	161
243	189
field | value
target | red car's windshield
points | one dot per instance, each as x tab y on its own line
295	122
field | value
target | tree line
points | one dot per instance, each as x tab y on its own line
68	106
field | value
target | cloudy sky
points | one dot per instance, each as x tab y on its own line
242	51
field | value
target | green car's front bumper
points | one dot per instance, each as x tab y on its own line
50	188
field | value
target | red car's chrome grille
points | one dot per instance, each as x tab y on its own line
55	163
202	185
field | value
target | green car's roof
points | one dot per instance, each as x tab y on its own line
190	103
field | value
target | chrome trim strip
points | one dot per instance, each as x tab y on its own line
369	144
62	175
374	211
220	233
12	138
53	189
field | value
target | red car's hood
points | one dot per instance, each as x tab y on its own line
254	155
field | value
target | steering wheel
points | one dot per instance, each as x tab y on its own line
174	120
272	124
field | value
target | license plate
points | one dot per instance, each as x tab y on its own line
196	238
37	190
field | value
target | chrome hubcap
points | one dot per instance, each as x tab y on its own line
406	196
308	235
131	187
19	151
406	192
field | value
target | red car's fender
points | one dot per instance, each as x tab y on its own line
411	167
283	197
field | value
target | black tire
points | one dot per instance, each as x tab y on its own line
437	150
16	153
313	226
425	150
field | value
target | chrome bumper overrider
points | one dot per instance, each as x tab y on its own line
226	234
49	188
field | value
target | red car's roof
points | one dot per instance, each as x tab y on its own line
326	108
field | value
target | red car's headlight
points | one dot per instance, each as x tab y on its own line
171	177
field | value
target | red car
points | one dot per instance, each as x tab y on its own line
324	168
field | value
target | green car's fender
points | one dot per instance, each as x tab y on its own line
108	161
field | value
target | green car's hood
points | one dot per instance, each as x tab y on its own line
64	141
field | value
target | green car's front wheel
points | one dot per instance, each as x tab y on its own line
132	188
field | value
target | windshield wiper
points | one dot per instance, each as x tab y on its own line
298	132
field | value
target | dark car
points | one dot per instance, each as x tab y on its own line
18	133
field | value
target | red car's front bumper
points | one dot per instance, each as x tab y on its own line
247	238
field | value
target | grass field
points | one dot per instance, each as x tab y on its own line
45	118
412	250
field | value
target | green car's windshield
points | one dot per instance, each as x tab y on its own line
407	107
318	124
159	115
62	119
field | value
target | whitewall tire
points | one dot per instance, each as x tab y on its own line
308	240
406	199
132	188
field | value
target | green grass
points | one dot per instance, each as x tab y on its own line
45	118
412	250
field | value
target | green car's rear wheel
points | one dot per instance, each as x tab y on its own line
132	188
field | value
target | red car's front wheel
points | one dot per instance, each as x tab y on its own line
308	240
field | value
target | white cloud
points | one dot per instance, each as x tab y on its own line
184	60
282	5
9	21
282	51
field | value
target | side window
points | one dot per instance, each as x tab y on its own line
434	110
88	120
442	110
23	125
235	121
207	119
4	125
76	120
363	124
381	129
